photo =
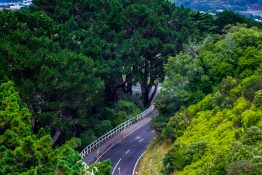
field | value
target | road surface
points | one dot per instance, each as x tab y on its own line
125	154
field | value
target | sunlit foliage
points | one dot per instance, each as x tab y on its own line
221	134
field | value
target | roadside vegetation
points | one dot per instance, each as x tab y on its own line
152	161
23	152
217	124
68	67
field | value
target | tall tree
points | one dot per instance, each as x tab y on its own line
157	31
21	151
59	86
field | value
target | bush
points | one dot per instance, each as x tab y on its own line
252	136
251	86
229	119
175	159
176	126
103	127
87	137
122	111
159	122
168	133
100	168
23	152
242	167
258	99
182	154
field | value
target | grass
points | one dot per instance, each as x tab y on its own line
151	163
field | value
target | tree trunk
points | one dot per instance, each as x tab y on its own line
56	136
129	84
148	81
145	88
145	95
153	93
114	87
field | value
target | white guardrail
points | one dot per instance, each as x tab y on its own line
115	131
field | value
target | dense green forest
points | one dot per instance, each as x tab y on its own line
68	67
23	152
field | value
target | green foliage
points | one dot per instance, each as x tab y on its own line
251	86
103	127
244	156
122	111
182	155
108	119
219	129
176	125
258	99
22	152
116	33
87	137
228	17
222	63
73	61
59	86
228	120
103	168
159	122
182	71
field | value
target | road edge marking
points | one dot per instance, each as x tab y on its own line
137	162
116	165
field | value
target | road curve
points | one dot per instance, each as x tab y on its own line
125	154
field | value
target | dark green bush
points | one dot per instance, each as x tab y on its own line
251	86
182	155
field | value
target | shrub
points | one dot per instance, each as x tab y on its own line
103	127
251	86
182	154
241	167
252	136
121	111
258	99
159	122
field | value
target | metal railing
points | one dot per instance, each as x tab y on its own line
115	131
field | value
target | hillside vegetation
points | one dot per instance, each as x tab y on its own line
23	152
67	69
218	126
73	64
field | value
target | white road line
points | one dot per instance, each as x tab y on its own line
119	171
127	151
141	140
137	163
122	139
125	137
138	137
116	165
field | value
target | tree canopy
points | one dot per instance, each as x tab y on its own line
23	152
74	64
216	98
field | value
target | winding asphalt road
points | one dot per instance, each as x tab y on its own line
125	155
